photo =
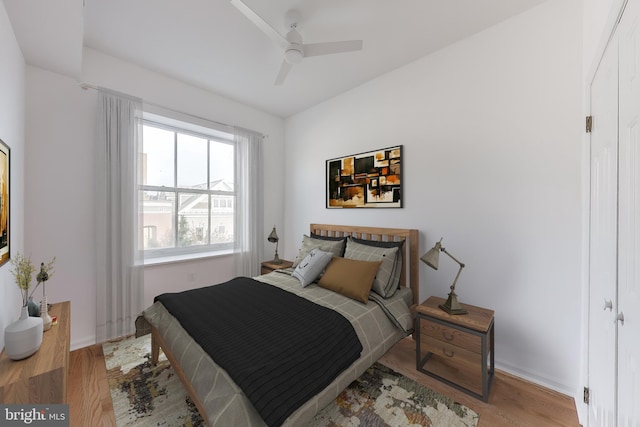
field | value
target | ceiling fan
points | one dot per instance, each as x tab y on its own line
294	49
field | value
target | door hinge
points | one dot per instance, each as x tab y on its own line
588	123
585	395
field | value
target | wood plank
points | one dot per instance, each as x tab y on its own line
88	394
478	318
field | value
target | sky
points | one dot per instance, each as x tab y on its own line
192	159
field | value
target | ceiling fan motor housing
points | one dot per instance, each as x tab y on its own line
294	53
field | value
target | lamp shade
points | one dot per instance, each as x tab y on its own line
273	236
432	257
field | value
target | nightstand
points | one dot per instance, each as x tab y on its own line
456	349
269	266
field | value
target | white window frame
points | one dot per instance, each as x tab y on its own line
210	134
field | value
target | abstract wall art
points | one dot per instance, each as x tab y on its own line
4	202
366	180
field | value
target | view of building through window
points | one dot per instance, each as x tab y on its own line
187	190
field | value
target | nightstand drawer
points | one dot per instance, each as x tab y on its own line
452	353
451	335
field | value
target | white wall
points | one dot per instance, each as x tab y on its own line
60	183
12	117
59	188
491	129
598	17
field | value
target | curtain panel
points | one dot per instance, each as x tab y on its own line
119	296
248	233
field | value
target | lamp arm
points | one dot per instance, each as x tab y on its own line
453	286
452	257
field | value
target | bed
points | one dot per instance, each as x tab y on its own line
378	324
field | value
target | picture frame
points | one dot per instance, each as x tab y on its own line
5	199
372	179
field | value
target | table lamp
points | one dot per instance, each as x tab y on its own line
451	306
273	238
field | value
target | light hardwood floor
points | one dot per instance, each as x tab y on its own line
513	401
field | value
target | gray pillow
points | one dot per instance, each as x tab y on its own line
379	243
332	238
386	282
387	244
309	243
311	266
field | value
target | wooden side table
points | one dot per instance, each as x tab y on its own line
42	377
269	266
456	349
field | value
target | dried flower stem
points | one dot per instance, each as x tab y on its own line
23	269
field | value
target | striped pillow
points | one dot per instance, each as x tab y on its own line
309	243
385	283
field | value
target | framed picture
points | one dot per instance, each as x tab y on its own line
366	180
5	187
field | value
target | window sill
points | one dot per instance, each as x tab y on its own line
171	259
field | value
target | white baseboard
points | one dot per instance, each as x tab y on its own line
85	342
537	379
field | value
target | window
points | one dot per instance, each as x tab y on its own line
186	188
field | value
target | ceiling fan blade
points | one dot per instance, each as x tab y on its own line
282	74
315	49
261	23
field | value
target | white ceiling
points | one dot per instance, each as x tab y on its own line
210	44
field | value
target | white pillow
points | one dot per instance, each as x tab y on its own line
311	266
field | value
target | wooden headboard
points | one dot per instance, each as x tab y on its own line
384	234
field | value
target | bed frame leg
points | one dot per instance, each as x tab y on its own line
155	349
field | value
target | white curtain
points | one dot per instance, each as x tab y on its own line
248	233
119	264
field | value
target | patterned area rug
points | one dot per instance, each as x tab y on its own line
145	395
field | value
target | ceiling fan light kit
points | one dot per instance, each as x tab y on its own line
294	49
293	56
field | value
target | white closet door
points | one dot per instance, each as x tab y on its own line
603	241
629	218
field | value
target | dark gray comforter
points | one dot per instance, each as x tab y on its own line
280	348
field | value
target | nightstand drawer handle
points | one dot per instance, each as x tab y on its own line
447	337
447	353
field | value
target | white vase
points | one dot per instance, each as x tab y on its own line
44	314
23	337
